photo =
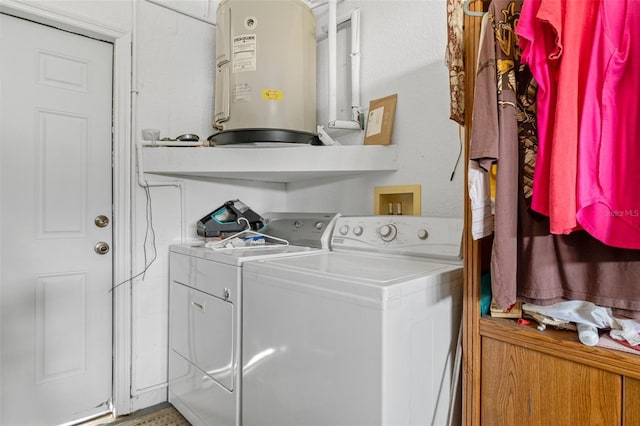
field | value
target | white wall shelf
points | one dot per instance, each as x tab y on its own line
273	164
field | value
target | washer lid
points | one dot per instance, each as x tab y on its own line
367	268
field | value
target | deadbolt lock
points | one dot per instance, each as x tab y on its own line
101	221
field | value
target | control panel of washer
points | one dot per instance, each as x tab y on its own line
435	237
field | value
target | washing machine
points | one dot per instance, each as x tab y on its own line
364	334
205	314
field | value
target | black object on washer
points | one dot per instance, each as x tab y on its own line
232	216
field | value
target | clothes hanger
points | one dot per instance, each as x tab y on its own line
465	9
245	234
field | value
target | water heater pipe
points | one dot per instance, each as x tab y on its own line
332	30
355	66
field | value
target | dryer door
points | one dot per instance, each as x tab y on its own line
202	332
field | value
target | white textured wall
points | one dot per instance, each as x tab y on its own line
175	72
402	49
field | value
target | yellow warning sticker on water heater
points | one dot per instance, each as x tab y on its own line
272	95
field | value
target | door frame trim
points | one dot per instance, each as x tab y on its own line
121	178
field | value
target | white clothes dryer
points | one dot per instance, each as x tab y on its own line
205	315
362	335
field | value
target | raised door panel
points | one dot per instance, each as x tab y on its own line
521	386
631	408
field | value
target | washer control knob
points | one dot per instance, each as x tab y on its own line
388	232
358	230
423	234
297	224
344	230
319	225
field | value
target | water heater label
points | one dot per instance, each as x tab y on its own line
272	95
244	53
241	92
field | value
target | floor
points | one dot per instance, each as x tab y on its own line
159	415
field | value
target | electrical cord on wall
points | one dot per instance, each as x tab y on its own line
149	227
148	230
455	166
149	216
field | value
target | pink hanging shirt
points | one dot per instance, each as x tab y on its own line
609	151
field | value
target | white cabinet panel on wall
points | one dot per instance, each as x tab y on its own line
204	10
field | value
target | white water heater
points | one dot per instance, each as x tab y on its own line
265	72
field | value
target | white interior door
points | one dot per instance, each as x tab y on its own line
55	179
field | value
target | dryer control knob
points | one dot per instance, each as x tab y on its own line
319	225
358	230
423	234
344	230
388	232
